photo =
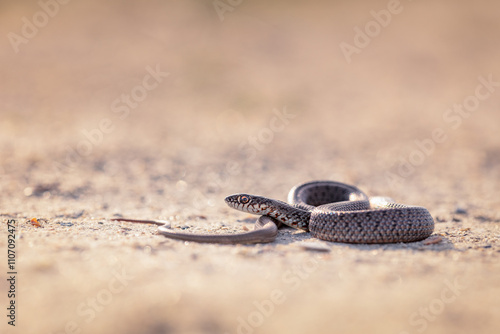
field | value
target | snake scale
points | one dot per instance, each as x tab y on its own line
331	211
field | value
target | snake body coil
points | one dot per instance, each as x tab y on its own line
331	211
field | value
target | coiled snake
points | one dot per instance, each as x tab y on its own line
331	211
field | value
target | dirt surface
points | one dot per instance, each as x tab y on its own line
159	110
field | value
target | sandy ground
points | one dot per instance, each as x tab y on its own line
159	110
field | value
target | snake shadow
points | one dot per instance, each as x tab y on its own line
288	236
435	243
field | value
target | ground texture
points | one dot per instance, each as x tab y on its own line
160	109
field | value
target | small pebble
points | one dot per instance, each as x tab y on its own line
77	214
433	240
35	222
28	191
315	246
460	211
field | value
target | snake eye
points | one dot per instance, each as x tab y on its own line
243	199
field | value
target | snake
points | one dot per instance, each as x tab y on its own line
329	210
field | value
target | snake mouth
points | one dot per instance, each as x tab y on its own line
230	199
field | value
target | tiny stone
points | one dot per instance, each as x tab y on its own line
28	191
433	240
77	214
315	246
461	211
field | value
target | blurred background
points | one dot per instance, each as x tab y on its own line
162	108
365	78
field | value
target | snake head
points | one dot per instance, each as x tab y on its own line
247	203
